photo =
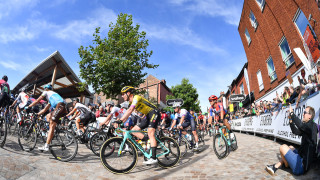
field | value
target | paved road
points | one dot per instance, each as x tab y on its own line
248	162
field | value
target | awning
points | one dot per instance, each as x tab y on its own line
55	70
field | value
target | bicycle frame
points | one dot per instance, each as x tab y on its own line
220	132
127	135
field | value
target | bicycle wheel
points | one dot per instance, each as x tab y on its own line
64	146
220	146
96	142
171	148
183	145
27	136
201	142
3	132
233	140
118	162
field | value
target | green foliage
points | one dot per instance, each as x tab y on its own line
188	93
117	61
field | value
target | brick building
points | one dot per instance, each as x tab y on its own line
270	30
156	92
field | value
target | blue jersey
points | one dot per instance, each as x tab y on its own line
186	114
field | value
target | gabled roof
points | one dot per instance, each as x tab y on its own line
65	82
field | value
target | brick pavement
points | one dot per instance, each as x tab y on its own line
247	162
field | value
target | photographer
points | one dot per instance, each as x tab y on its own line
299	160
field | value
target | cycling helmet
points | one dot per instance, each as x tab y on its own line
175	105
22	89
125	105
48	86
5	78
127	89
110	103
213	97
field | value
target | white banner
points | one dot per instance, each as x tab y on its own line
278	124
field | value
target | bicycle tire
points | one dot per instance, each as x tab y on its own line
65	142
27	136
96	141
110	149
201	141
183	145
165	161
221	143
3	132
233	141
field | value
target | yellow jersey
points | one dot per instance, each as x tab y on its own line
142	105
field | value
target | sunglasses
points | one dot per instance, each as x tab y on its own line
212	100
305	112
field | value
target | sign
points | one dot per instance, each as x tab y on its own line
237	98
303	59
277	125
171	102
288	74
312	44
246	77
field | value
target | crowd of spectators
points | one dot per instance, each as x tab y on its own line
290	95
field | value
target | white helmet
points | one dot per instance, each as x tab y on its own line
125	105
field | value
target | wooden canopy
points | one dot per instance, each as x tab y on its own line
57	72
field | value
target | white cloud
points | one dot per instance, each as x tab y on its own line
29	31
16	34
79	29
184	36
40	49
229	10
10	65
10	6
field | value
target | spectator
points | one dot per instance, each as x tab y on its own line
101	112
307	89
299	160
294	94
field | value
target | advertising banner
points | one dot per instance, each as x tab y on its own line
277	124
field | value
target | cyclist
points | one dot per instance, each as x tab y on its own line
217	112
4	92
165	120
194	115
114	113
186	120
55	101
151	121
23	101
86	116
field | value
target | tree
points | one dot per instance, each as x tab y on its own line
188	93
116	61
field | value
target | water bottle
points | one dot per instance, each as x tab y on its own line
188	136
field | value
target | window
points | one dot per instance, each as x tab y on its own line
286	52
271	69
247	36
261	4
301	22
260	81
241	88
253	20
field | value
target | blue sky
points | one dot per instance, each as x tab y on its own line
196	39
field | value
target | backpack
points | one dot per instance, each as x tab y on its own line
5	88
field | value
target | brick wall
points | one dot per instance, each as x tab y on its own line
157	90
274	22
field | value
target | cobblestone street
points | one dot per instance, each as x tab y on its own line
247	162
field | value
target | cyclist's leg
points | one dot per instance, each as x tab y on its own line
194	132
226	123
153	118
143	124
52	127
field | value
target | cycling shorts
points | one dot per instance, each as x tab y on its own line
152	120
191	123
59	112
86	118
